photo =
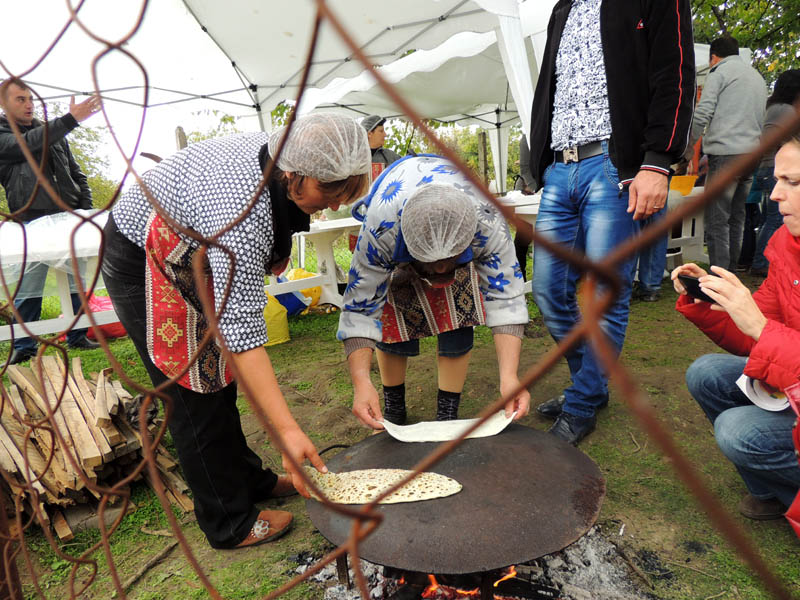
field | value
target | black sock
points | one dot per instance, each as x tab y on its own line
394	403
447	405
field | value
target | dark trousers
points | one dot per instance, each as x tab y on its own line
30	310
226	477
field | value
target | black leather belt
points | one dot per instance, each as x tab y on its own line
577	153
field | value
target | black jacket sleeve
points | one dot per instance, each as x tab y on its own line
57	129
671	75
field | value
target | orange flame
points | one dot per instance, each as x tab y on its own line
431	589
512	572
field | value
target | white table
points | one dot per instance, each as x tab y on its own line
49	241
322	234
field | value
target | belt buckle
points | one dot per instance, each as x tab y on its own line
570	154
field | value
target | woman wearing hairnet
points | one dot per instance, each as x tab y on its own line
208	189
432	257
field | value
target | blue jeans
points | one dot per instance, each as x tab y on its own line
772	217
29	302
724	216
583	207
653	259
758	442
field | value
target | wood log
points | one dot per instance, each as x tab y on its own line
61	527
37	462
15	398
100	438
19	462
100	404
21	377
45	441
85	445
132	440
112	399
123	394
110	431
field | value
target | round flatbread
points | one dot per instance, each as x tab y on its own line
362	487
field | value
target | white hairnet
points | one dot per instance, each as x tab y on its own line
325	146
438	222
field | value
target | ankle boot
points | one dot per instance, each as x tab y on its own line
447	405
394	403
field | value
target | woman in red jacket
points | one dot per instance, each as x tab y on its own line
762	333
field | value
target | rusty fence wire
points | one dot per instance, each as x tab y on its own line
602	284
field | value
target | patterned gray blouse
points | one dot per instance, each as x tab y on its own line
580	108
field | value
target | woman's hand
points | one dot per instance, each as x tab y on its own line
733	297
366	406
300	448
685	269
520	402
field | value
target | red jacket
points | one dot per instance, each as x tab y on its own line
775	357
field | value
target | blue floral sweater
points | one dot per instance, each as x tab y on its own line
380	249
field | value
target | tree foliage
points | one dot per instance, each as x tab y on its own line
771	29
225	125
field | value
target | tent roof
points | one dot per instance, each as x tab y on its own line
463	76
269	47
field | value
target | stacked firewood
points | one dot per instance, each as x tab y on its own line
95	446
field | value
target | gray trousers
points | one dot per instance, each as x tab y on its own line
724	215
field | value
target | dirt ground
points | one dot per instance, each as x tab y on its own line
647	512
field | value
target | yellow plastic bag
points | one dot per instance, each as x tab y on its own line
313	292
277	322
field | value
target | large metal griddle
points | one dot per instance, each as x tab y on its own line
526	493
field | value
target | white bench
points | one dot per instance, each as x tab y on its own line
687	237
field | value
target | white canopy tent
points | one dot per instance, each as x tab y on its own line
492	74
462	80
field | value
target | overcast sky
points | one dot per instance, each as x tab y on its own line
175	52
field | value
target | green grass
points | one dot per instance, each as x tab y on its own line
643	492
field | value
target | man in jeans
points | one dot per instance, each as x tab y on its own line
730	111
611	113
19	181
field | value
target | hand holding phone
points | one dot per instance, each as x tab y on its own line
692	286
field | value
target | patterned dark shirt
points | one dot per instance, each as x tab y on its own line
580	108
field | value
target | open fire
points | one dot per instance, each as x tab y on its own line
502	585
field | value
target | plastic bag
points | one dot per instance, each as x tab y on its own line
277	322
110	330
295	302
313	293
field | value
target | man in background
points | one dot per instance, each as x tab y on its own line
376	135
19	181
729	117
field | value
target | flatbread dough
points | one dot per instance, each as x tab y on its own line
362	487
443	431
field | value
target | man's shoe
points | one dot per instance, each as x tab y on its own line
84	343
641	293
18	356
552	408
758	272
572	428
645	296
761	510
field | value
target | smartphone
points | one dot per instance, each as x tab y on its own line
692	285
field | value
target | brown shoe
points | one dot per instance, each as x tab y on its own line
283	488
270	525
761	510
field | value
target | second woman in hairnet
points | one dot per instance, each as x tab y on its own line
433	258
